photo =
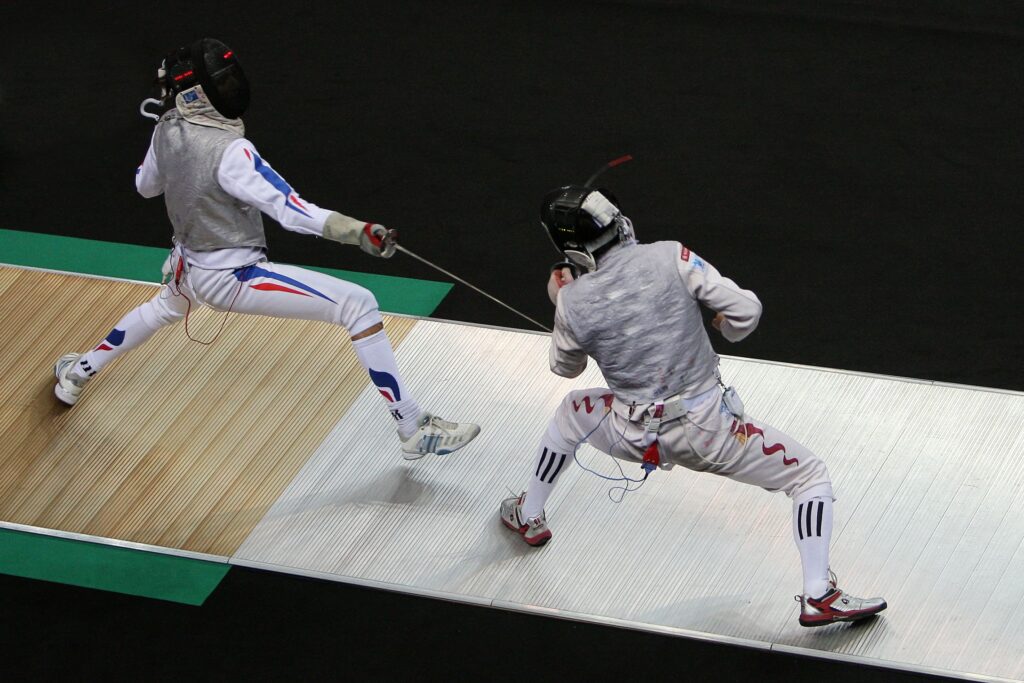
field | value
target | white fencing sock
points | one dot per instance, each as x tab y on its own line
377	356
553	458
812	531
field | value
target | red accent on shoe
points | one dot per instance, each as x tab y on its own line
519	529
826	600
540	539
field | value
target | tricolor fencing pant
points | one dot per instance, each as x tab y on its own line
270	289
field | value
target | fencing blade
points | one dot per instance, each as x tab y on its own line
496	300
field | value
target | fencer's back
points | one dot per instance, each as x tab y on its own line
204	216
635	317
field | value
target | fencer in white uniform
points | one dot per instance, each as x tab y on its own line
215	185
636	310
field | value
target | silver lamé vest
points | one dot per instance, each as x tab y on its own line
204	216
635	317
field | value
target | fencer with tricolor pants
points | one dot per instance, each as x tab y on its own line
216	186
652	348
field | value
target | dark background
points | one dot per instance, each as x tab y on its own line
854	163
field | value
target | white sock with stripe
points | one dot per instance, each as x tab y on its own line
552	459
377	356
812	531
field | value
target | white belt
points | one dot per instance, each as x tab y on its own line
672	408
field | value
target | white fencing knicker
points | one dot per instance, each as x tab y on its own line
698	433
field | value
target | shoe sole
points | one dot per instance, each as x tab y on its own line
826	619
64	397
406	455
452	449
537	541
416	455
58	391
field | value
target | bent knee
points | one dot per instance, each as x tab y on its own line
813	482
361	313
363	298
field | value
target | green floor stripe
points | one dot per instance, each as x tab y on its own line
109	568
132	262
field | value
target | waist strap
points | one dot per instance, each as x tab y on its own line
672	408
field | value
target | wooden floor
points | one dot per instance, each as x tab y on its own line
176	444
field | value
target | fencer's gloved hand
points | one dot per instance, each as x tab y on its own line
377	240
562	273
574	270
372	238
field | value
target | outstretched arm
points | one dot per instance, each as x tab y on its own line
246	176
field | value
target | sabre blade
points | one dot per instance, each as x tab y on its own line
611	164
496	300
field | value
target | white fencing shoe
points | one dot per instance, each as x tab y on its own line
534	531
435	435
836	605
69	383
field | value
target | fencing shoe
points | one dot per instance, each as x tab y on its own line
69	382
835	605
435	435
534	531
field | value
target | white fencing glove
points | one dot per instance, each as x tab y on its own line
377	240
562	273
